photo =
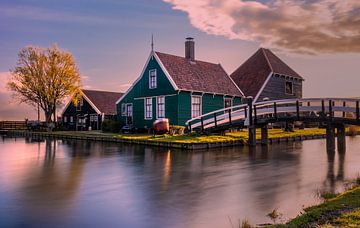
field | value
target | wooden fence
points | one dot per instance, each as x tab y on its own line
13	125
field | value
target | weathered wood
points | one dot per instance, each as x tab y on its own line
330	137
264	135
341	138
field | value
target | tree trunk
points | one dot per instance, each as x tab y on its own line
49	123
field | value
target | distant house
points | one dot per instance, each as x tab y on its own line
177	88
265	76
93	108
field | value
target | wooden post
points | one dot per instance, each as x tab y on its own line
255	115
343	114
230	122
252	128
357	111
323	108
275	111
202	124
341	138
215	120
330	137
297	110
330	109
264	135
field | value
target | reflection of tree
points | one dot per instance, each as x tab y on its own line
51	187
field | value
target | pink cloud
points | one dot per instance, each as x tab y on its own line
302	26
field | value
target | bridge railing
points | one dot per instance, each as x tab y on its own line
297	109
317	107
12	125
218	117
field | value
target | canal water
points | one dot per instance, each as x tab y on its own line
60	183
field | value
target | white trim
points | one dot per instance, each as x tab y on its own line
141	98
152	54
233	81
157	107
231	99
191	104
86	98
137	80
263	86
165	71
91	104
267	60
145	117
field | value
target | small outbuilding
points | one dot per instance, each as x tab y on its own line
266	76
92	109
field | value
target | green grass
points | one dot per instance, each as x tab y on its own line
329	212
196	138
280	133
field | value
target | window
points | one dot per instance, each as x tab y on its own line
160	108
289	88
65	119
80	104
152	79
227	102
195	106
71	119
148	108
123	109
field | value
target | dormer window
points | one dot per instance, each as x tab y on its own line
152	79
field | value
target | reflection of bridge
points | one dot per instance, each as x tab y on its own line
331	112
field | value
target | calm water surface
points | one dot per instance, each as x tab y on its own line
62	183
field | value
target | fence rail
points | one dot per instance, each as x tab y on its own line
13	125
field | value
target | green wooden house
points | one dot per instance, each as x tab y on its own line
176	88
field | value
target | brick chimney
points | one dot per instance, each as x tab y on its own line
190	49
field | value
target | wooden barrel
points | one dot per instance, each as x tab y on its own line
161	126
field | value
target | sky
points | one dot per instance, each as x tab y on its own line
110	39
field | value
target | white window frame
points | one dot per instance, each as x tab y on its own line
65	119
148	115
71	119
80	104
152	86
200	108
292	87
231	101
158	105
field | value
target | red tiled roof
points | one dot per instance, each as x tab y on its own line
198	75
252	74
103	100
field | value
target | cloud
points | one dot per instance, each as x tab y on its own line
124	87
301	26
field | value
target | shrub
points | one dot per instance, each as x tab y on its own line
110	126
353	130
177	130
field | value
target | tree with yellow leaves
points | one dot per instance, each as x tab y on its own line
44	77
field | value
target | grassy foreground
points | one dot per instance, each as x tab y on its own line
341	211
240	136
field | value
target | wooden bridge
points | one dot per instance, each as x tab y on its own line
334	113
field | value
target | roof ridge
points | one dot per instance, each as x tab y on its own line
202	61
267	59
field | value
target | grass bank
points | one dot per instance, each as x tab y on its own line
341	211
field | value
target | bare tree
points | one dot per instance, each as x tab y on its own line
45	77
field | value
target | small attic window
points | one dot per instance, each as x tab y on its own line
289	89
152	79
